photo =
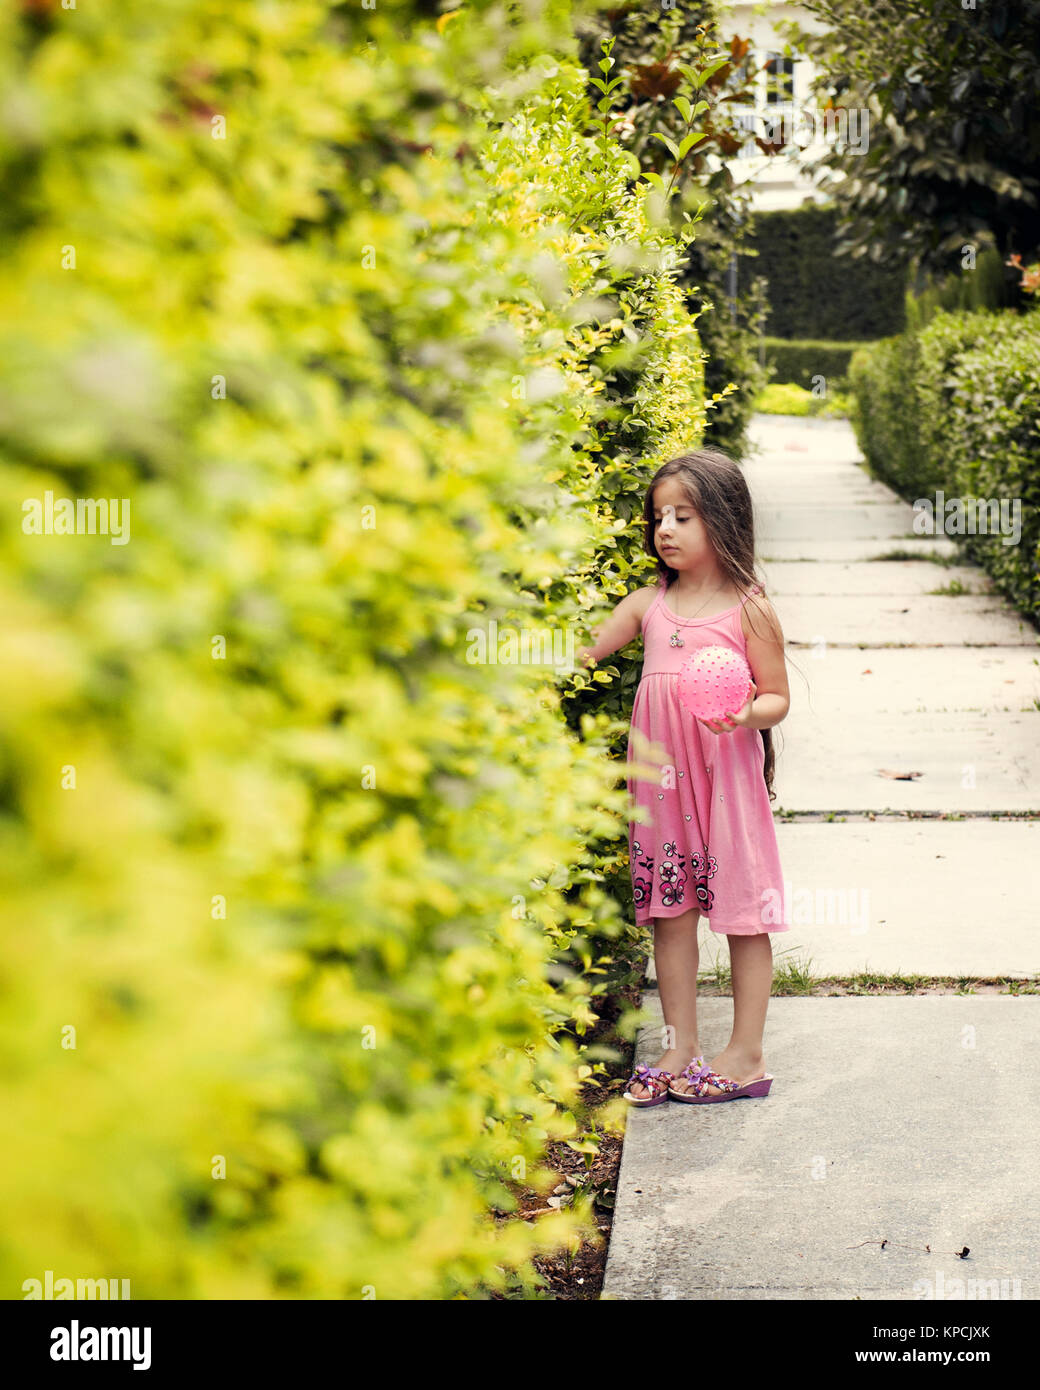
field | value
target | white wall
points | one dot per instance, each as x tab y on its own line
777	180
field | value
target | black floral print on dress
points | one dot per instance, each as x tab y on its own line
703	867
642	882
705	897
673	875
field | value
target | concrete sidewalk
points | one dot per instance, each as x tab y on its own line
912	1120
892	678
890	1116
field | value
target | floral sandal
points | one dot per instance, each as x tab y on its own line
730	1090
655	1079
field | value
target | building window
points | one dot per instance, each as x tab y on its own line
779	79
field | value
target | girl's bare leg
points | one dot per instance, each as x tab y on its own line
677	958
751	959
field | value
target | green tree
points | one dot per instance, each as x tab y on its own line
951	94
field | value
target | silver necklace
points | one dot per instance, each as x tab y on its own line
675	640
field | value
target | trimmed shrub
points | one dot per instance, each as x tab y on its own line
956	408
630	387
305	910
799	361
990	285
883	416
814	293
993	436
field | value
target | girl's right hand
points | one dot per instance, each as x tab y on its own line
737	720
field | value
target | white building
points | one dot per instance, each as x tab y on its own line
782	95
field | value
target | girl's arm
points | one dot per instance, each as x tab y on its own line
765	653
618	630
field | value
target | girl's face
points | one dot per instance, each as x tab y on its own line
680	536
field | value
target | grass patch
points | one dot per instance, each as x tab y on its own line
793	976
932	556
787	398
953	590
796	978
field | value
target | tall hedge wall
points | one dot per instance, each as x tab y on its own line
812	292
956	408
305	912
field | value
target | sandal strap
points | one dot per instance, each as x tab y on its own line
712	1078
655	1079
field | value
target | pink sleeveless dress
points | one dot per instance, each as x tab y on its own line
709	841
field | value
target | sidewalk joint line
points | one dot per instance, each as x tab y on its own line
893	814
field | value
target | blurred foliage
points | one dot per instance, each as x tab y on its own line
953	96
813	292
1029	275
955	408
380	342
652	47
617	364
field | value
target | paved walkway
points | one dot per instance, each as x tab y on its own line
762	1199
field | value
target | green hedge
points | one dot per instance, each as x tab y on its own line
815	294
652	39
800	360
989	284
956	408
322	901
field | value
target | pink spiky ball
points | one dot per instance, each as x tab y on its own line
714	681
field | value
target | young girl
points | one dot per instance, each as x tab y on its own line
707	844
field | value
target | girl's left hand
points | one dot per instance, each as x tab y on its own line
729	722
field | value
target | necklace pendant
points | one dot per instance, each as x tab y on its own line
675	640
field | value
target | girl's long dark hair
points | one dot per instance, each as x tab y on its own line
717	488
